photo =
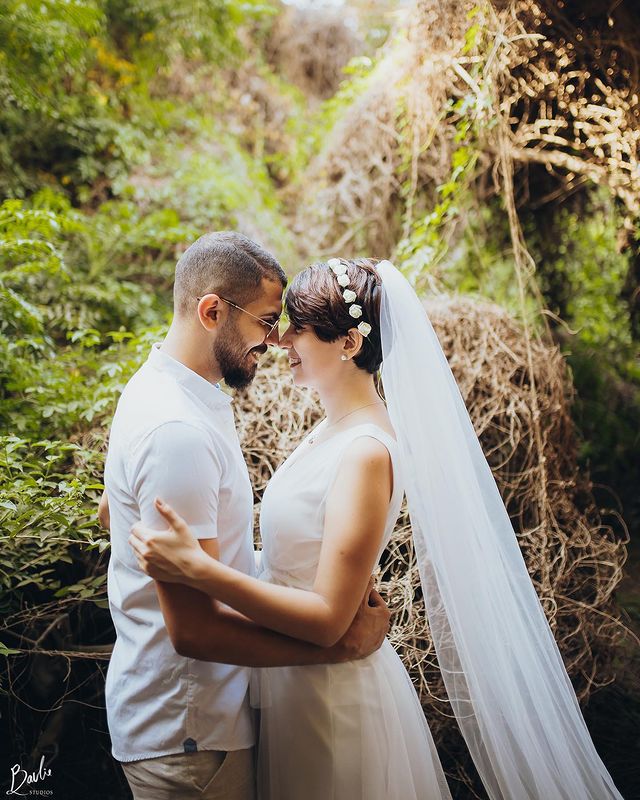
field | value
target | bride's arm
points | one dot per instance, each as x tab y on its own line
355	517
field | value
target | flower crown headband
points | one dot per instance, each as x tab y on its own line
340	271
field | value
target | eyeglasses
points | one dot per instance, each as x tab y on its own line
268	325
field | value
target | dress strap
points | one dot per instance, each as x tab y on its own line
376	432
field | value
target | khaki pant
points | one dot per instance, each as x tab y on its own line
204	775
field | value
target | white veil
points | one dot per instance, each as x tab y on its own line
502	669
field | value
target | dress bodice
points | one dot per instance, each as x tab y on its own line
293	504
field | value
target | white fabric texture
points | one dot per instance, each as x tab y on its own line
502	669
353	731
173	436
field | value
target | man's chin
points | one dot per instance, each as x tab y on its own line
240	379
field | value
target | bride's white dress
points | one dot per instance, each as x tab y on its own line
353	731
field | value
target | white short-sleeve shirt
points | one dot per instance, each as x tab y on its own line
173	436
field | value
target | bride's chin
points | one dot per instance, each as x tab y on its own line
297	378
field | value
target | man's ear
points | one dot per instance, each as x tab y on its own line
210	311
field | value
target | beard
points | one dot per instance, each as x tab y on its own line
235	362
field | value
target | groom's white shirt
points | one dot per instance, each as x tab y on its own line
173	436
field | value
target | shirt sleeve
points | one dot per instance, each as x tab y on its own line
177	462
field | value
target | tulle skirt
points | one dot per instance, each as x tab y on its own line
353	731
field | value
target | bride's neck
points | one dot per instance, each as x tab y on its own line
353	392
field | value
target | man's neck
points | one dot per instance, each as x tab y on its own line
188	350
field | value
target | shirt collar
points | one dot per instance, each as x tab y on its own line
211	395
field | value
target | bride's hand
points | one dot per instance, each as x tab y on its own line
171	555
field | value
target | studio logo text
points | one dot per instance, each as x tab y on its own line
21	779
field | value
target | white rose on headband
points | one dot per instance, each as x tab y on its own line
364	328
337	266
355	310
349	296
343	279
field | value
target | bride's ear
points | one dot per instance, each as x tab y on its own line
352	343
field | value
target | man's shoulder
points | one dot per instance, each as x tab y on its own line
152	398
171	444
154	405
177	433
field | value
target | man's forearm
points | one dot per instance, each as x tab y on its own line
201	629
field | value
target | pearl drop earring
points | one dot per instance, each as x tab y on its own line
343	358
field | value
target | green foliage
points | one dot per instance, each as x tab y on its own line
156	30
43	42
70	285
30	259
66	281
584	275
83	294
482	263
74	95
43	514
422	250
215	183
286	151
359	72
49	488
61	112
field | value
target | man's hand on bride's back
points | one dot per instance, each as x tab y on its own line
368	629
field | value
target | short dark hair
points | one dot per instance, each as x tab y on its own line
224	262
315	299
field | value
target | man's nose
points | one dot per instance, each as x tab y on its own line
273	337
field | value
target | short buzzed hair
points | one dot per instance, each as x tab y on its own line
227	263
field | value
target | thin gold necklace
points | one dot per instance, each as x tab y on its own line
312	438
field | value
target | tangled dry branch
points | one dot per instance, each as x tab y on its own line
567	90
311	46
